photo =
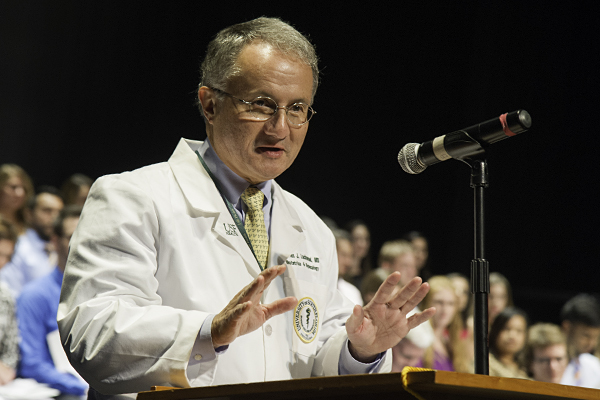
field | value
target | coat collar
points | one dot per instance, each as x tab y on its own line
287	229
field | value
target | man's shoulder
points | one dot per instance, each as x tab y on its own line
303	210
151	177
590	361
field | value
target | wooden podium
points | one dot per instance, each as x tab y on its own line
409	385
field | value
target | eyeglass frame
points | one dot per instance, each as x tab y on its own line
286	108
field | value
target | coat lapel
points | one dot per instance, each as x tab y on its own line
203	196
287	235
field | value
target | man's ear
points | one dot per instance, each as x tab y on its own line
207	99
566	326
28	215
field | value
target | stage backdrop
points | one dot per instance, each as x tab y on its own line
103	87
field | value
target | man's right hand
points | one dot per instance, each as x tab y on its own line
245	313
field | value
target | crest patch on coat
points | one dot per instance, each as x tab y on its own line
306	319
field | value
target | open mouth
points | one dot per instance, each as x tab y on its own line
270	151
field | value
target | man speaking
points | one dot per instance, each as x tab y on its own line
202	270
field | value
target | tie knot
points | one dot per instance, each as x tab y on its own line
253	198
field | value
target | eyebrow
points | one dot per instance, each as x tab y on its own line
265	94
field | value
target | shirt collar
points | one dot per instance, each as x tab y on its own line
34	238
231	183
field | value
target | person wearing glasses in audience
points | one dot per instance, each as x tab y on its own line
546	353
203	270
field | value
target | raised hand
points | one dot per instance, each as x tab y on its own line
245	313
382	323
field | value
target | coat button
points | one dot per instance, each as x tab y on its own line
268	330
198	357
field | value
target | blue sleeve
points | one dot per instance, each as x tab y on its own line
36	361
348	365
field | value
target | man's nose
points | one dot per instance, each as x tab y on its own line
278	125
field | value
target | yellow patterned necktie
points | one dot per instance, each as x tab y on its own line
255	224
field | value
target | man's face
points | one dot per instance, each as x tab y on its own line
259	150
43	215
62	243
406	354
6	251
582	338
344	252
406	264
549	363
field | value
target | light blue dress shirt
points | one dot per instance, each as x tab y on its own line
36	312
30	261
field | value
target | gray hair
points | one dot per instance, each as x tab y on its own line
220	65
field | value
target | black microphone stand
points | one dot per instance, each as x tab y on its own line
480	271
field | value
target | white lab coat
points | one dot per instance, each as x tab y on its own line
156	251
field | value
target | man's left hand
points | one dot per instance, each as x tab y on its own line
382	323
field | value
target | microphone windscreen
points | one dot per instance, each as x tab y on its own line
408	159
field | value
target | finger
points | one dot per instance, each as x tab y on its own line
271	273
406	293
386	290
415	299
356	319
418	318
246	294
280	306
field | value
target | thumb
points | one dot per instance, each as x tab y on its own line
356	319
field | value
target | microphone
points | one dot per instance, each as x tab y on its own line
468	142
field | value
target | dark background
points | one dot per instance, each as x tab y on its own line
103	87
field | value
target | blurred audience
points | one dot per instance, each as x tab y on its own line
464	297
34	255
361	247
395	255
410	351
545	354
15	190
421	251
448	352
507	340
75	189
36	311
9	333
500	295
580	320
343	244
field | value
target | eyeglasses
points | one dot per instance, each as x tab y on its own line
263	108
548	360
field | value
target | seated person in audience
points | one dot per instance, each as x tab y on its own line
75	189
420	246
9	332
507	340
361	248
546	353
36	311
580	320
463	295
15	190
410	351
395	255
34	256
500	295
448	352
465	310
343	244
